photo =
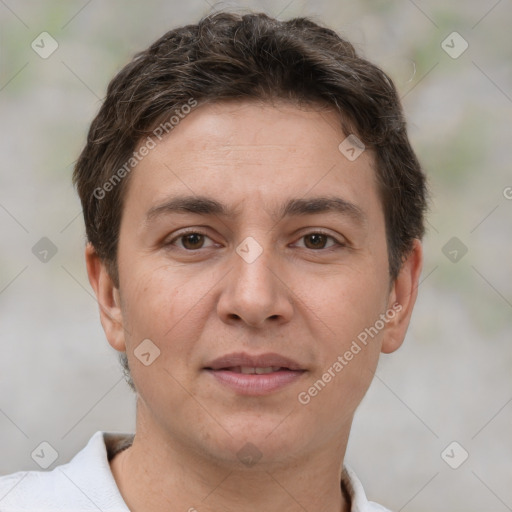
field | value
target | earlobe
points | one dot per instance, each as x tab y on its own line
402	299
108	298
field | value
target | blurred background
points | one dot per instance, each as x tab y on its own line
434	431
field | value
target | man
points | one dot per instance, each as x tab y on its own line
254	213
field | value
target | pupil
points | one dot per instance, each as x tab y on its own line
194	238
318	237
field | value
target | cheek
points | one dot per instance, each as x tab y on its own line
157	308
348	308
346	303
157	300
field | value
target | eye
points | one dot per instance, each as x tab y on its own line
317	240
190	240
194	240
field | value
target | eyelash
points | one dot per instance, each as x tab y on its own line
337	243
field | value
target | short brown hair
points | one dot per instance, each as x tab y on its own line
228	56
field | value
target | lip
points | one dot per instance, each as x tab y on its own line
254	361
255	384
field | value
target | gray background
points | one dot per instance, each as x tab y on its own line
451	381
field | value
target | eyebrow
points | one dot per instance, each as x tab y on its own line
203	205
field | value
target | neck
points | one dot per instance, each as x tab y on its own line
156	473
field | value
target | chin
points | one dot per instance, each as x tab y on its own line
261	440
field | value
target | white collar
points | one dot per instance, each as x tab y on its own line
86	483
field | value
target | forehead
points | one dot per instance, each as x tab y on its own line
248	152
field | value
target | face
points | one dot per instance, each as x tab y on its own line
246	233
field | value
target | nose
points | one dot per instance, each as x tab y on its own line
255	292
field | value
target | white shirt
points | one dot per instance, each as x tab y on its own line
86	483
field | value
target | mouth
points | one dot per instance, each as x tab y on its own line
254	375
267	362
249	370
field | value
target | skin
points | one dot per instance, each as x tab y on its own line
197	299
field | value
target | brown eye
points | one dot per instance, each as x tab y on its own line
192	241
318	240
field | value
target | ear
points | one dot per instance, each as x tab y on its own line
402	298
108	299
